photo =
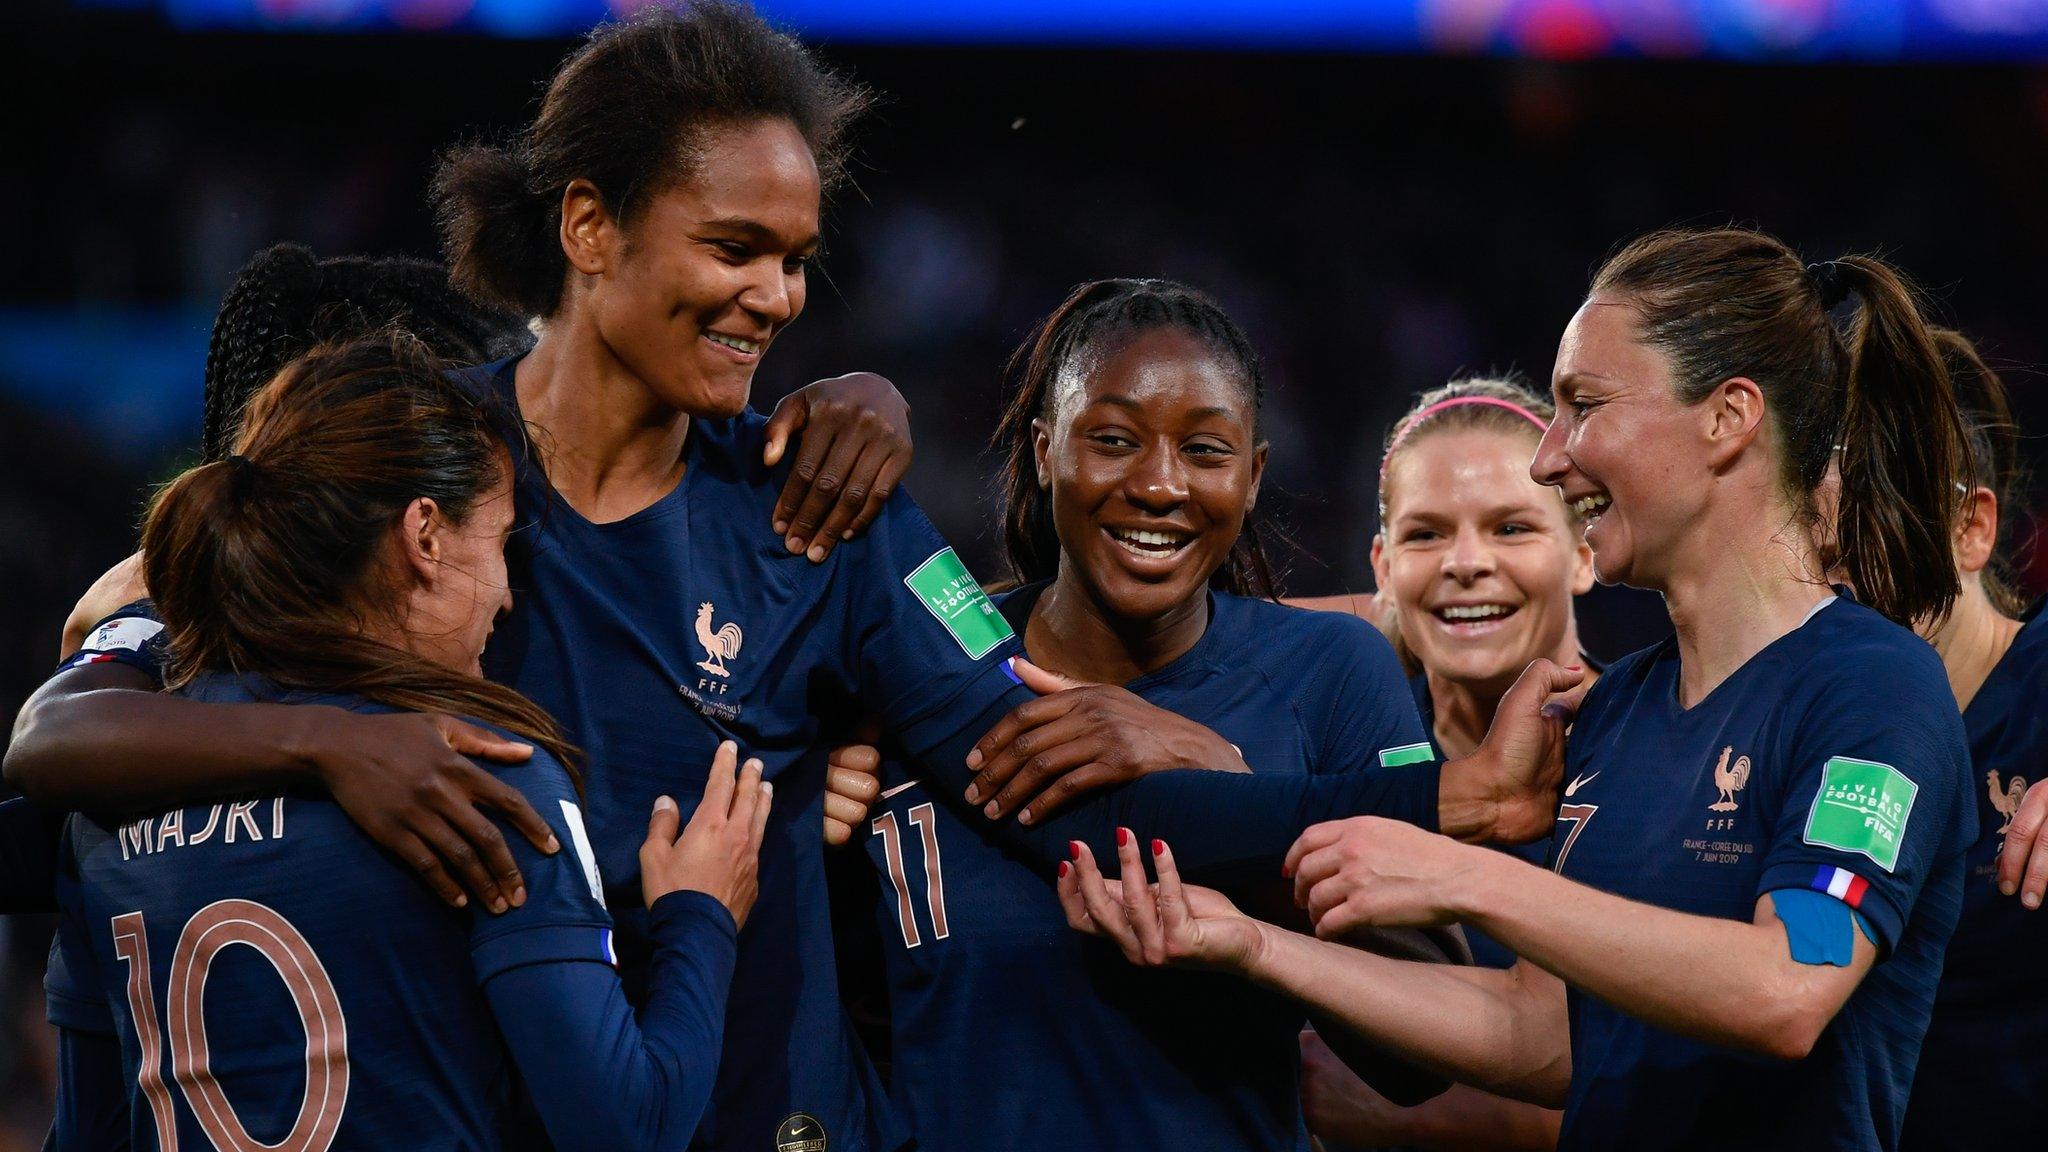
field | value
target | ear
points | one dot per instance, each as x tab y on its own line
1251	499
1583	576
589	234
420	543
1041	448
1733	415
1977	538
1379	560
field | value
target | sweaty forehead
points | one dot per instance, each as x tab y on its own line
1165	372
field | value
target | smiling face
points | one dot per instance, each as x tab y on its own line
1628	455
1481	561
1151	454
711	270
459	587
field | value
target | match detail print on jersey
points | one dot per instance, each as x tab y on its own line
951	595
1862	807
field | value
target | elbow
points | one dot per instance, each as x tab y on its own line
1788	1021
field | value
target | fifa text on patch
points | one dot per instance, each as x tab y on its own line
951	595
1862	807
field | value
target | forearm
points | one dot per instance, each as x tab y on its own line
122	749
575	1038
1468	1119
1505	1031
1726	982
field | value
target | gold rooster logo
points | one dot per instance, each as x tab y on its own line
2005	801
1730	779
720	645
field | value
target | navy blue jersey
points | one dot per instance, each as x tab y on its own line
654	637
1486	951
1834	759
1094	1053
1984	1065
274	977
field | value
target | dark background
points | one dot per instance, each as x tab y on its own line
1377	224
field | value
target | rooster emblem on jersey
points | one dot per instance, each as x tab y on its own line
2005	801
720	644
1730	779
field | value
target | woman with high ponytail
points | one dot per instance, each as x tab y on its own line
1760	846
346	556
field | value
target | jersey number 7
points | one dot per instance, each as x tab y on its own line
925	820
212	929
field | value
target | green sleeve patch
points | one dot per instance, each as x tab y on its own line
1406	754
953	597
1862	807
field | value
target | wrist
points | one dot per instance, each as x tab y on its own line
1468	807
301	747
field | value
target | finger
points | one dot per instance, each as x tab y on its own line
1542	680
893	470
852	784
1316	868
826	487
471	740
1138	904
1021	719
421	859
510	803
787	420
837	832
1340	919
811	451
1107	913
759	830
2020	839
716	803
1035	759
853	497
1041	680
844	809
746	796
1072	902
1173	901
490	848
1077	782
664	825
459	856
1313	837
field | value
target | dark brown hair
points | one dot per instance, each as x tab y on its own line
1096	318
265	561
1995	446
628	111
1732	303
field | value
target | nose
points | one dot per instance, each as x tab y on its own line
504	607
1551	461
1156	481
772	296
1469	558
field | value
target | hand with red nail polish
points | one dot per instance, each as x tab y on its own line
1157	925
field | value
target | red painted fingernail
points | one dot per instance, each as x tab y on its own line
1575	667
1063	869
1074	849
1159	847
1287	871
1123	837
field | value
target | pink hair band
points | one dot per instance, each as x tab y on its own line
1459	402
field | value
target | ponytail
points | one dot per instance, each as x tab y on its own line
501	234
1905	454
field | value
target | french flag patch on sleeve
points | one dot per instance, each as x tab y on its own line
1842	884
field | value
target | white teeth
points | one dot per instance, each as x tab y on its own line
1590	505
1474	611
747	346
1149	542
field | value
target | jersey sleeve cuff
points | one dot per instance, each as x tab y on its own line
687	912
543	944
1411	793
78	1013
1859	892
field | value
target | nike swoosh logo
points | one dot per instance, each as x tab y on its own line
1577	782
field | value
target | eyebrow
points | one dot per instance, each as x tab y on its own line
757	231
1130	405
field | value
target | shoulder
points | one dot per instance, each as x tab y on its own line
540	776
1850	653
1270	629
731	449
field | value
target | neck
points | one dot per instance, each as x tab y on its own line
1748	584
1072	632
612	446
1972	641
1464	709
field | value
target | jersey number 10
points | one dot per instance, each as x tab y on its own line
925	820
212	929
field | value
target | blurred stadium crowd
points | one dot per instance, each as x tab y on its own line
1377	225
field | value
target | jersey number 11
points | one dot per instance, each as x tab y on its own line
925	820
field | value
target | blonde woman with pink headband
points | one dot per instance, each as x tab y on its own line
1476	566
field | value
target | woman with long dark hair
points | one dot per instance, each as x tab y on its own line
1759	860
347	554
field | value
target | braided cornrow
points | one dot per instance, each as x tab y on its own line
286	301
1092	320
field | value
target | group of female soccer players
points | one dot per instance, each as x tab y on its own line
409	800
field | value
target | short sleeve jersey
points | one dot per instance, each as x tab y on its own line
1088	1051
1984	1062
654	637
274	978
1833	760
